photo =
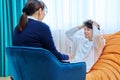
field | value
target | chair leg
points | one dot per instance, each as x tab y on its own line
11	78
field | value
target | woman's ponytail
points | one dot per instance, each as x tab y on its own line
23	22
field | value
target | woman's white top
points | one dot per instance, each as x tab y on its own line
86	51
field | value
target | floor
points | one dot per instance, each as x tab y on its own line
5	78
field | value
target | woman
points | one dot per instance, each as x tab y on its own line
88	47
31	31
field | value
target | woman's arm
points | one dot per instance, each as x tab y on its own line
48	43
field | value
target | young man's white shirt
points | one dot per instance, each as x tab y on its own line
86	51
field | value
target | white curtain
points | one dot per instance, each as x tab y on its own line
65	14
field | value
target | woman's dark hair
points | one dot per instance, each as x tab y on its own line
30	8
89	23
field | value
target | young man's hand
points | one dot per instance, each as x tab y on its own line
96	24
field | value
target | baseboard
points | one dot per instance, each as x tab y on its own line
5	78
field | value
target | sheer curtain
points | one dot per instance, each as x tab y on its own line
65	14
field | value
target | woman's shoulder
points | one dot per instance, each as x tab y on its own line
38	24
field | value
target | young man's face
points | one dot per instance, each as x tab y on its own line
88	33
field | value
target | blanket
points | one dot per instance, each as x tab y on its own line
108	65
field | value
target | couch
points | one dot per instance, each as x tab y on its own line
108	65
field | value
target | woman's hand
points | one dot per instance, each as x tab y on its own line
70	56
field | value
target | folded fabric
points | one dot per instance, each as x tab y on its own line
108	65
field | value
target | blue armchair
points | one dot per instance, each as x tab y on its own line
28	63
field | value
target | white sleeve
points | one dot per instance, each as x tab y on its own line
71	35
99	43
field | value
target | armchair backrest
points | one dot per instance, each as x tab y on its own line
28	63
